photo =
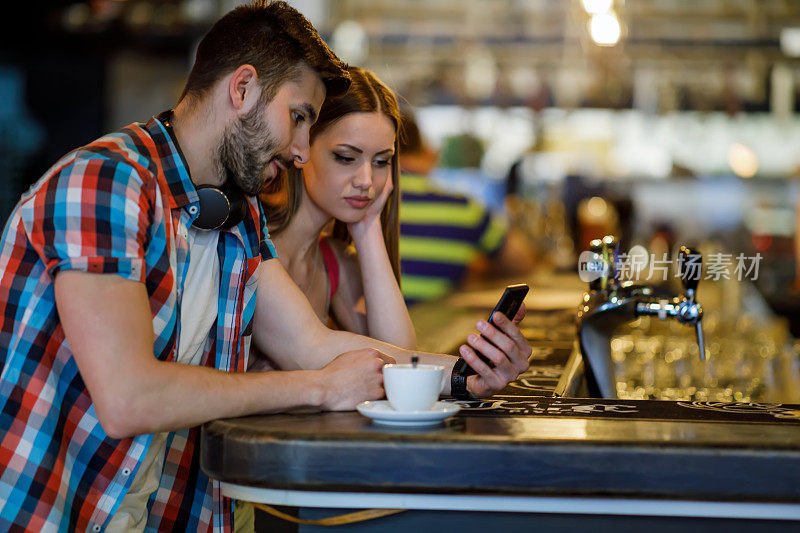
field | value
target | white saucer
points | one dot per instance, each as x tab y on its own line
383	413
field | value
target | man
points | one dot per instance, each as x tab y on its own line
447	238
128	310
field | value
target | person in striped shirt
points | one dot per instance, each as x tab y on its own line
128	305
446	238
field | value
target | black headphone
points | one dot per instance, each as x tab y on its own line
220	207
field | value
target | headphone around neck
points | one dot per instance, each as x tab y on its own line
220	207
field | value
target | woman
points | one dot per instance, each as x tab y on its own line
334	221
347	194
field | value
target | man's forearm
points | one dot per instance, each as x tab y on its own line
138	405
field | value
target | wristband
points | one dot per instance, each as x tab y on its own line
458	385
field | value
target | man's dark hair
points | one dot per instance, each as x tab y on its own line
275	39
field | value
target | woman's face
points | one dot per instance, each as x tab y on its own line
349	164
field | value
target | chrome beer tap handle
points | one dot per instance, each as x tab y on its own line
684	308
609	304
690	263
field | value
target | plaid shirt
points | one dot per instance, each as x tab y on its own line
120	205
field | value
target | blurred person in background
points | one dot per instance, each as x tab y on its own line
447	239
129	301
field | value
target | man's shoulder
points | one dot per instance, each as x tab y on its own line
426	209
131	145
124	155
118	163
415	188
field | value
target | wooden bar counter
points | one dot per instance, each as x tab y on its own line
525	456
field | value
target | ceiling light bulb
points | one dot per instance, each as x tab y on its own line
605	29
597	6
743	160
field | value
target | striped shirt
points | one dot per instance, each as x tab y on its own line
440	235
123	205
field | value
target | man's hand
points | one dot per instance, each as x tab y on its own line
353	377
508	351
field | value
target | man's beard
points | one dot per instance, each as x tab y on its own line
246	150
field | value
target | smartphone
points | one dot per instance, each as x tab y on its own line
508	304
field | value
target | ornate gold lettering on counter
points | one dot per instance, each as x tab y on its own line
698	411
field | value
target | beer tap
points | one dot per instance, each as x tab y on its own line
609	304
684	308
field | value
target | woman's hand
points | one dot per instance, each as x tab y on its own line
508	351
372	216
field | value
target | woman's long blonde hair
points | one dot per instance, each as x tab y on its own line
366	94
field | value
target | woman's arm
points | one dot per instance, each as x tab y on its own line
368	281
286	327
374	308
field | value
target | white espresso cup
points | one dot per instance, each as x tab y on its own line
413	388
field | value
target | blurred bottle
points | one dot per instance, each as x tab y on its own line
560	246
597	217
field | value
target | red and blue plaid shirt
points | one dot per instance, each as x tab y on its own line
120	205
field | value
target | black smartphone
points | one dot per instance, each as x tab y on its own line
508	304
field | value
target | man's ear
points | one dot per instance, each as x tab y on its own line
243	88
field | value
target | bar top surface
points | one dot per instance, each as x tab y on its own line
524	441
